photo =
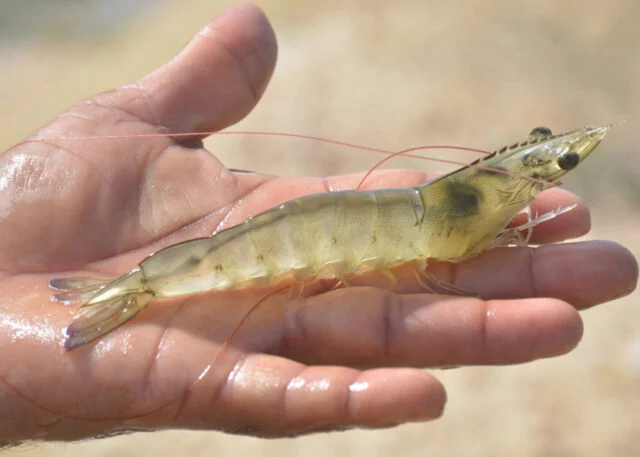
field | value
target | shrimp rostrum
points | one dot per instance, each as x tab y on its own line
341	234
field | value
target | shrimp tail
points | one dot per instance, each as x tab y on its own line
101	318
108	305
80	289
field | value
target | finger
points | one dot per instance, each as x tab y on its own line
219	76
583	274
363	327
271	396
355	327
213	82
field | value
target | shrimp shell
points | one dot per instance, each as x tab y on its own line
340	234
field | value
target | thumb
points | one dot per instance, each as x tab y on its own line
67	204
215	81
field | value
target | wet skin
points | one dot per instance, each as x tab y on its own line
328	362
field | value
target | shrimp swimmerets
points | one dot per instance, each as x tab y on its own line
451	218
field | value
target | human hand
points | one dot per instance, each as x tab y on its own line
97	208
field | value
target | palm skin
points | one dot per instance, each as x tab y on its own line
97	208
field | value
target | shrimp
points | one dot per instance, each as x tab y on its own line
337	235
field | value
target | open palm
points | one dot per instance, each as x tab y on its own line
97	208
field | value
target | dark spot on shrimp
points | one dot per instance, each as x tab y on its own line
191	261
463	199
219	267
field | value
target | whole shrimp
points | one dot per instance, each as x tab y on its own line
338	235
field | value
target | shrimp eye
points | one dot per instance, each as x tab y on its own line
568	161
540	133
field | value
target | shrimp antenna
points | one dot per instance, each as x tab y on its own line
346	144
391	154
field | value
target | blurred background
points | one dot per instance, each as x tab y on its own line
393	75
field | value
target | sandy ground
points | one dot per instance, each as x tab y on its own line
394	75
